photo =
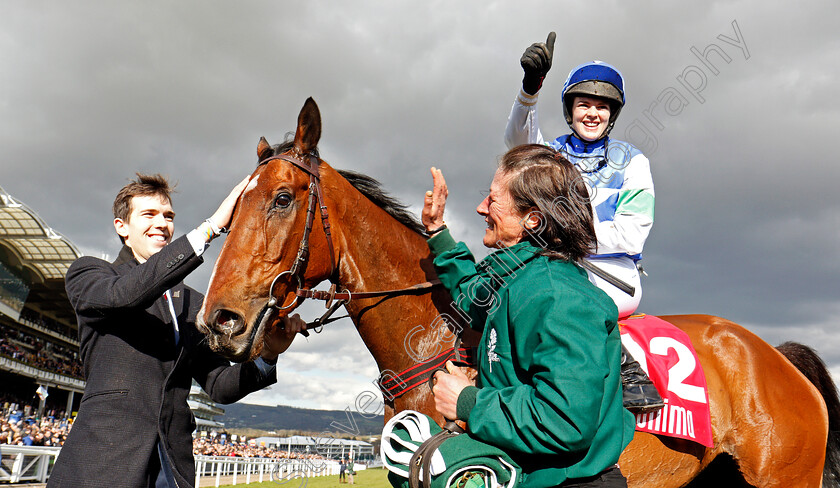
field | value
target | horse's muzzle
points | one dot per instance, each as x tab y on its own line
228	333
226	323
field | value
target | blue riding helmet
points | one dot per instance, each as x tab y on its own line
594	79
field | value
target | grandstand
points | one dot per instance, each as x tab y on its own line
205	410
38	332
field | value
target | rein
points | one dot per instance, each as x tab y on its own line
345	297
310	164
394	386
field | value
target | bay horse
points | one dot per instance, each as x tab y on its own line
774	425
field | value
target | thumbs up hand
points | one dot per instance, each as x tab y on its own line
536	61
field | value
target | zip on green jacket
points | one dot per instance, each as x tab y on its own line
548	389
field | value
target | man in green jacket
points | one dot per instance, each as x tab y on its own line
548	390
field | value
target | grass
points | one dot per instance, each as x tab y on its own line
368	478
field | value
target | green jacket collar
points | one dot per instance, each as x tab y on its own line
508	260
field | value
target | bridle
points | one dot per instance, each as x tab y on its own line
310	164
414	376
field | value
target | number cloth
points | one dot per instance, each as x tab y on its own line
666	354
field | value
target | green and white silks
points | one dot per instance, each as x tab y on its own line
459	461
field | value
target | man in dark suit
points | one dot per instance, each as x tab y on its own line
141	349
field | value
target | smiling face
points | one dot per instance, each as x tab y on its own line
504	222
149	226
590	117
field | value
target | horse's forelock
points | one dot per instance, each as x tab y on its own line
287	145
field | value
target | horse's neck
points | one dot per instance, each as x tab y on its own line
379	253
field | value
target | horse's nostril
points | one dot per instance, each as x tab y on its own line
228	323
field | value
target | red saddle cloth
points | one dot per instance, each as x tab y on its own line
666	354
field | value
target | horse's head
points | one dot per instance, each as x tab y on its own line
270	251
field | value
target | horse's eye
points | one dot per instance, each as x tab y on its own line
283	200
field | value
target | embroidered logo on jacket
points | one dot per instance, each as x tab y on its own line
491	349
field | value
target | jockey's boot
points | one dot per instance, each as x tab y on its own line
639	393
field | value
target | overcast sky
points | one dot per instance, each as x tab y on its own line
743	154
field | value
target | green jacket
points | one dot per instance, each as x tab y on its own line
548	388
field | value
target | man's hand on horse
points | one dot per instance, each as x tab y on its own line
280	337
446	389
434	203
221	218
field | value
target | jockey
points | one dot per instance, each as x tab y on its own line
618	177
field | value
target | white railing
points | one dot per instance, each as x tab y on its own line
26	463
264	469
34	463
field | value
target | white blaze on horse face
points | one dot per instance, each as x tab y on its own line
210	284
252	184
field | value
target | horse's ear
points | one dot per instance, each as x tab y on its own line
309	127
263	149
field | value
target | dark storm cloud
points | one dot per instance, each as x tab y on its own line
746	222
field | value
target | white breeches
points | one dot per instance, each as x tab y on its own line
624	269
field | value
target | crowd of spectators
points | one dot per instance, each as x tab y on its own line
217	446
19	428
33	351
33	317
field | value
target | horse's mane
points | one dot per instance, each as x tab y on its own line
372	190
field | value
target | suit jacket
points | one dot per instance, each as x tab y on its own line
138	379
